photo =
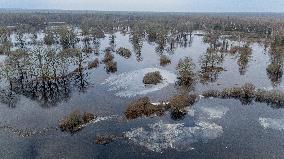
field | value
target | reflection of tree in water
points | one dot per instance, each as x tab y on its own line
161	42
212	38
211	68
178	115
136	39
245	55
97	45
9	97
42	74
112	42
171	45
275	68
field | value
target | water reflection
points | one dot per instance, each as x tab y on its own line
58	62
211	63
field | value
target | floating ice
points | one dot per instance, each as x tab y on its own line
269	123
131	84
99	119
161	136
217	112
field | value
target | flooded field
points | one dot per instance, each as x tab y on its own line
31	108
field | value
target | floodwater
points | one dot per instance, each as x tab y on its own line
212	128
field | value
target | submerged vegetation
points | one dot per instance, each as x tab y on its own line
247	93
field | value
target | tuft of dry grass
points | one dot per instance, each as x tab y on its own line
142	107
152	78
74	120
211	93
179	102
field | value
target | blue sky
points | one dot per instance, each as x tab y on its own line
151	5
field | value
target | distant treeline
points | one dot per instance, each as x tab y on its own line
260	23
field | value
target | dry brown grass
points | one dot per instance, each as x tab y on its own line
247	93
142	107
274	97
74	120
179	102
152	78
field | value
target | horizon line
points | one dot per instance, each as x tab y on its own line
145	11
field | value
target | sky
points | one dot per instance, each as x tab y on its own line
151	5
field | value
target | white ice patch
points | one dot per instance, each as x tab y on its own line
131	84
213	113
161	136
99	119
269	123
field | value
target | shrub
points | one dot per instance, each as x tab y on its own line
74	121
142	107
270	97
108	57
88	117
185	68
274	69
248	90
152	78
111	66
94	64
124	52
164	60
179	102
211	93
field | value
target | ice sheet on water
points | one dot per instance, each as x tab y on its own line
131	84
161	136
270	123
99	119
